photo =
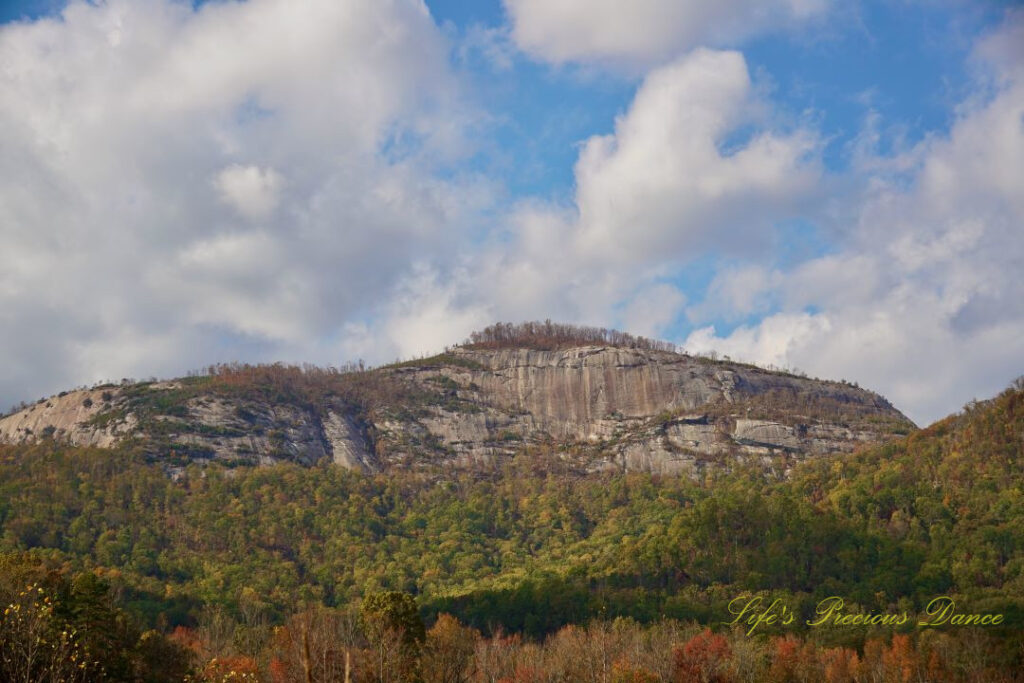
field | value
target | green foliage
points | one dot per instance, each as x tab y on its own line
392	611
61	626
527	545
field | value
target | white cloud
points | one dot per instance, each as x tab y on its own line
248	181
663	184
251	190
242	180
661	189
770	343
736	292
652	310
923	300
657	193
644	32
428	314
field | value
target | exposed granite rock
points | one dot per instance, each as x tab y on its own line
347	441
247	431
766	434
695	435
612	397
71	417
635	409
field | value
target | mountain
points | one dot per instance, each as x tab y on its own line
229	561
603	399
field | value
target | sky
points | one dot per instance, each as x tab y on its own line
833	187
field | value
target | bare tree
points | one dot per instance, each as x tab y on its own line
318	645
36	647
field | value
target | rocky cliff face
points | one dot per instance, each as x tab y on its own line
642	410
605	407
69	417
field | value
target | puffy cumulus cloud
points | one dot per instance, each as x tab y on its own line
771	342
430	312
672	182
247	181
241	180
666	178
644	32
653	309
736	292
665	187
252	191
923	299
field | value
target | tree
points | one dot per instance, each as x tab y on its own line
391	622
36	645
315	645
448	651
703	658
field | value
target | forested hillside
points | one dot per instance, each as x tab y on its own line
528	545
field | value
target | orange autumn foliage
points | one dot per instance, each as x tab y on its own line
704	658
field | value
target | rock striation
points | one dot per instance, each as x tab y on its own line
645	410
601	406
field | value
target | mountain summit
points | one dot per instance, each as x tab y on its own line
599	399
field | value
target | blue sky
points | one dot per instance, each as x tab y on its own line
905	61
804	183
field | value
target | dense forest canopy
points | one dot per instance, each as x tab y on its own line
529	547
548	336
